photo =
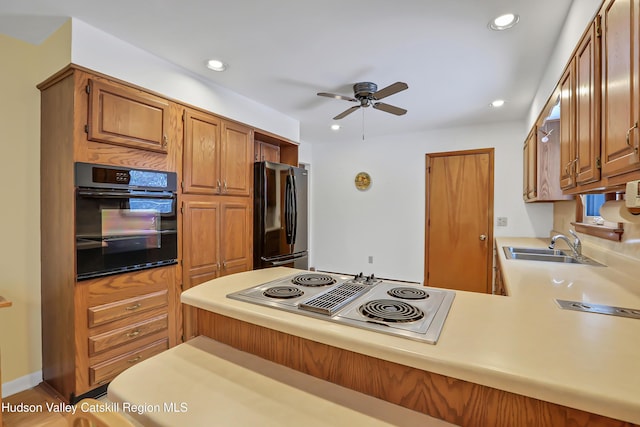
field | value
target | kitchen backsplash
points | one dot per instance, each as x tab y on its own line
565	212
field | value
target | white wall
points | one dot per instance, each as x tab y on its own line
580	15
387	221
102	52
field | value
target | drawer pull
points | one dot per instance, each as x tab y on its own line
133	307
134	333
135	359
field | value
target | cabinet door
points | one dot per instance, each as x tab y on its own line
201	168
125	116
200	241
619	21
530	167
587	81
236	159
567	129
237	230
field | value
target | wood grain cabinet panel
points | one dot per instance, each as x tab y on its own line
236	159
620	21
120	309
130	333
122	115
201	241
201	158
104	372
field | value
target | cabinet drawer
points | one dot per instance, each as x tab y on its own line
108	370
104	313
130	333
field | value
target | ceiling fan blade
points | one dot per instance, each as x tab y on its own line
333	95
389	108
390	90
346	112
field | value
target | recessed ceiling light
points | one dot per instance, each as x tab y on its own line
216	65
497	103
335	127
504	22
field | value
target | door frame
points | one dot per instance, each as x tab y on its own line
491	152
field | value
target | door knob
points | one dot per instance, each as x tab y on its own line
483	237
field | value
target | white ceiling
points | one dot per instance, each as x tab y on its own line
281	52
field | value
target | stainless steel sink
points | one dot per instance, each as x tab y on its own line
548	255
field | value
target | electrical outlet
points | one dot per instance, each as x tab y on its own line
370	259
502	221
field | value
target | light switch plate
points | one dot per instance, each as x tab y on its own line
501	221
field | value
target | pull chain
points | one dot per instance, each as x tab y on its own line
362	124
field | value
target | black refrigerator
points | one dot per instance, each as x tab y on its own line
280	216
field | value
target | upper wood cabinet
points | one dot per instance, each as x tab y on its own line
541	155
579	92
620	20
125	116
217	155
201	169
236	156
264	152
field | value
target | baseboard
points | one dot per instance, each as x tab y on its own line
21	384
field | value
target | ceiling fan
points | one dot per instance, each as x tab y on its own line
366	93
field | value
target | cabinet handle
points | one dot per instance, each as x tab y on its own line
135	359
218	265
483	237
224	264
134	333
225	185
165	140
218	185
133	307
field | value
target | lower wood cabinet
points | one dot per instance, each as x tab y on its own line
217	240
118	321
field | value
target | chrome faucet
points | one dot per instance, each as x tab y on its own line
576	246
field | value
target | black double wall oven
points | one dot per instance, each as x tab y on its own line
125	219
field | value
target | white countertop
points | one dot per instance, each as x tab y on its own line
523	343
205	383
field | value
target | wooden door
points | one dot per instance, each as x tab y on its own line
587	96
125	116
237	236
201	153
236	159
459	215
620	103
567	129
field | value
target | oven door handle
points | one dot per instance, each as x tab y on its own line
124	194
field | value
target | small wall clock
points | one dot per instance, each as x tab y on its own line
363	181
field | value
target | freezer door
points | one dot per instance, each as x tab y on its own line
300	193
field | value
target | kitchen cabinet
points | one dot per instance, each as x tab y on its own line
620	20
264	152
126	116
217	156
529	190
579	114
94	329
541	154
217	241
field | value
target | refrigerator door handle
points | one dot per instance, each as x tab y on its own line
288	210
294	203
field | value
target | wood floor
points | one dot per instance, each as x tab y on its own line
38	395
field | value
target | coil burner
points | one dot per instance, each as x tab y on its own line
313	280
283	292
386	310
408	293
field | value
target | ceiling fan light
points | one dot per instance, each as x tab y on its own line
216	65
335	126
497	103
504	22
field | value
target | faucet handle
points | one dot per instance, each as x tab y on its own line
573	233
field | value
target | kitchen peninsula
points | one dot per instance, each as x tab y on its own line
500	360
